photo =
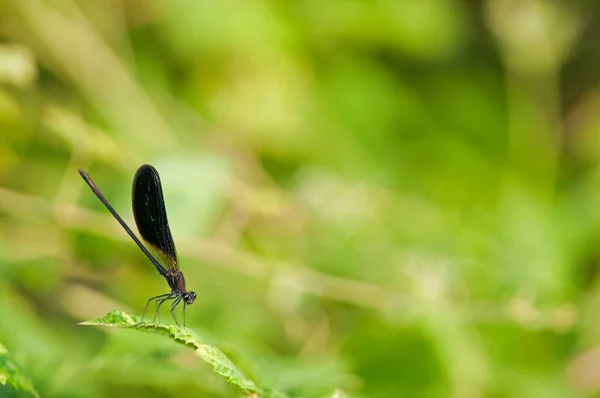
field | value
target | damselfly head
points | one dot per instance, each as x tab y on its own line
189	297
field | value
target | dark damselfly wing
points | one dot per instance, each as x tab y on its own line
161	270
151	216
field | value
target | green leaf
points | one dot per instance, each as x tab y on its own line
209	354
13	374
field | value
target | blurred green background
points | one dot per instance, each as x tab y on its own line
388	197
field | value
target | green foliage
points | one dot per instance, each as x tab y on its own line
389	198
209	354
13	374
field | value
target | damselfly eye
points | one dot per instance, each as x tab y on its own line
189	297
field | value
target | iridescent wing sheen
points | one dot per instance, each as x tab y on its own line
151	216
